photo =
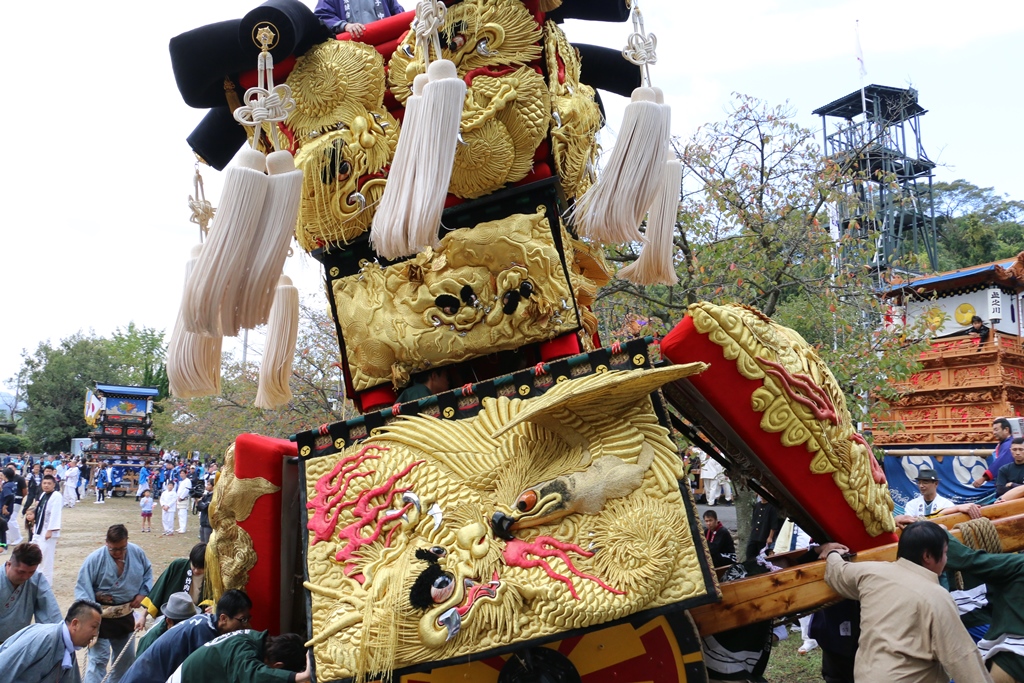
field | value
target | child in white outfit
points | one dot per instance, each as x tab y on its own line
168	501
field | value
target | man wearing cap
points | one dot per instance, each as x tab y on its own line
178	608
234	610
25	593
929	502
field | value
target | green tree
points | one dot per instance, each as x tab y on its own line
975	224
57	377
753	229
140	354
211	423
13	443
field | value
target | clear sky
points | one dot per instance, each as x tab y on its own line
97	229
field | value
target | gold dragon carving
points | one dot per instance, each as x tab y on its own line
437	539
507	109
345	137
575	116
230	554
801	401
493	287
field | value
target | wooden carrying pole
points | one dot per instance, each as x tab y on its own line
803	589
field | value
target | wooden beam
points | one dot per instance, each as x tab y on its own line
803	589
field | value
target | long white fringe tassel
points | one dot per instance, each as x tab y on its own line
655	263
612	210
193	360
282	332
412	216
389	233
443	99
273	235
212	293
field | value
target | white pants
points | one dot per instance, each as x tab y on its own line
14	526
168	520
70	497
49	548
182	515
712	487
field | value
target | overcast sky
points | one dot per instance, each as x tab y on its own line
97	229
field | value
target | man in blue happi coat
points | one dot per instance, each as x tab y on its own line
45	653
25	593
119	577
353	15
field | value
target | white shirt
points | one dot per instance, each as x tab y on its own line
918	508
184	488
167	499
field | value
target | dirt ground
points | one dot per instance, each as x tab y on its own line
84	527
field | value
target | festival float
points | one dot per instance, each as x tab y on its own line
530	517
122	435
943	419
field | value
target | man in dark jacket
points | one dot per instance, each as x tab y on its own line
353	15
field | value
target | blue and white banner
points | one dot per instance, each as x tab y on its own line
955	476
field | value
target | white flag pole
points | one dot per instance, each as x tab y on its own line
860	68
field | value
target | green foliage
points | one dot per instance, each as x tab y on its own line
57	378
54	379
211	423
13	443
753	229
975	224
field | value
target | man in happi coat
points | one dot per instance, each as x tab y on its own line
177	609
47	524
25	593
247	656
45	653
119	577
234	609
183	574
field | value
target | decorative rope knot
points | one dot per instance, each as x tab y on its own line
430	18
539	370
616	347
467	389
324	429
396	410
265	102
641	47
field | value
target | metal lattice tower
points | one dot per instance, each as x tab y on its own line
890	196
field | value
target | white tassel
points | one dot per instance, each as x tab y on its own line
282	331
654	265
193	360
611	211
212	293
389	233
443	99
269	250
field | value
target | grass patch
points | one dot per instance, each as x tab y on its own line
786	665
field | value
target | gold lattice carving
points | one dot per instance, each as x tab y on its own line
918	415
449	304
925	380
970	412
801	401
575	119
404	560
346	139
507	109
962	376
230	554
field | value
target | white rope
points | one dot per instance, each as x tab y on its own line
120	654
265	103
641	47
430	17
